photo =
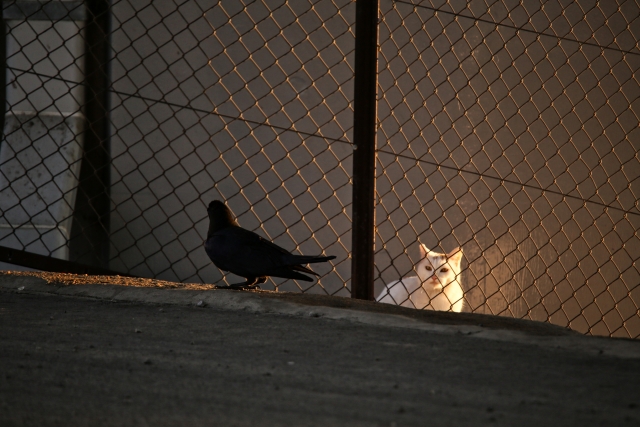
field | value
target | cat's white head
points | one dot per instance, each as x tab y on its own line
438	270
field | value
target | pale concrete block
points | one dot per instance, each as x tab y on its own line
40	159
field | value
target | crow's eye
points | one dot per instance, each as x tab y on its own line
428	268
444	270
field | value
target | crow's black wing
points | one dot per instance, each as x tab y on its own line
285	258
246	254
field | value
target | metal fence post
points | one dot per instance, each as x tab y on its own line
3	72
90	232
364	136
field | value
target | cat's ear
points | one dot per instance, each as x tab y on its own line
424	251
455	255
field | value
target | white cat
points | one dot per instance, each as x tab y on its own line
437	286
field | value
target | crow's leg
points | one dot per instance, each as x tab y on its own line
251	283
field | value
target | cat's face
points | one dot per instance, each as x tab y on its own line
438	270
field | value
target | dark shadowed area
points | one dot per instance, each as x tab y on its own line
76	361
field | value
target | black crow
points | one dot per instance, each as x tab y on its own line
243	252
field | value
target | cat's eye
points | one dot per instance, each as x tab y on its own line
428	268
444	270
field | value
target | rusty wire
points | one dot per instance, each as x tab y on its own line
185	129
506	129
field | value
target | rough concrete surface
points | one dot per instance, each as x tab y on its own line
77	350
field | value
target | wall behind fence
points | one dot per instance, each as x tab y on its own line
512	131
245	95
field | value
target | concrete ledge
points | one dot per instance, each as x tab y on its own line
150	291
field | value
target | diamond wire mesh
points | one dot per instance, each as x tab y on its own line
515	145
39	153
299	78
244	102
510	129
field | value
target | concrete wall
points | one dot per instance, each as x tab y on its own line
284	63
42	141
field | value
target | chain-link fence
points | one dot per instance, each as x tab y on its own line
509	129
206	100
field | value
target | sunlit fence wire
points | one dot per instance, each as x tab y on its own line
509	129
207	100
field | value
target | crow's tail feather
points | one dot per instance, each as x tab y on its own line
289	273
304	269
309	259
